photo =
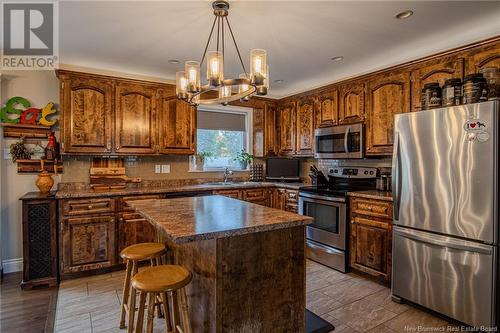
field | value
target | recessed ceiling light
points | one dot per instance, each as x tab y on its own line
278	81
173	61
404	15
339	58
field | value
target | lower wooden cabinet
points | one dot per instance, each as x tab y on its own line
371	237
87	243
286	199
235	194
133	229
39	240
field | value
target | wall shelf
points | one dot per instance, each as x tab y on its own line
34	166
27	131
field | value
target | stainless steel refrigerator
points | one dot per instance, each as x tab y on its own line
445	191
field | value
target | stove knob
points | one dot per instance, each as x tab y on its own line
336	171
371	172
366	172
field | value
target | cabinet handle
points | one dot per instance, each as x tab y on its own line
117	147
108	146
90	206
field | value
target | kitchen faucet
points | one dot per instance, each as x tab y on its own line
227	173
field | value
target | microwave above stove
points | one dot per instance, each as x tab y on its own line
344	141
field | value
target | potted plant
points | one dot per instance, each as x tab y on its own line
200	158
243	158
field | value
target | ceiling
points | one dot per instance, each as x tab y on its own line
300	37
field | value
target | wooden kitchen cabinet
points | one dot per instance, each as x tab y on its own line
133	229
235	194
260	196
102	115
286	199
287	129
270	137
437	70
387	95
87	243
305	127
86	116
328	109
135	118
352	103
177	126
483	56
371	237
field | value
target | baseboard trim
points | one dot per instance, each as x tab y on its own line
12	265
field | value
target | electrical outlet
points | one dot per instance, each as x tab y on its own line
165	168
157	168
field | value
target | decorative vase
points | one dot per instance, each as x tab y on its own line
243	165
44	182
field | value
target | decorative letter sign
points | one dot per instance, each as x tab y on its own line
29	116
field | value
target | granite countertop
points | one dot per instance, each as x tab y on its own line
89	193
372	194
209	217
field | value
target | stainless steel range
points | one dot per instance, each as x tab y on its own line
327	237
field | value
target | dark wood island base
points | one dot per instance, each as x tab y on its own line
247	260
246	283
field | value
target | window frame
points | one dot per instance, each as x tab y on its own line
248	141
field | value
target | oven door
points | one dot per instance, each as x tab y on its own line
329	225
339	142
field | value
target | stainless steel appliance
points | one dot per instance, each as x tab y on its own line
327	237
445	188
344	141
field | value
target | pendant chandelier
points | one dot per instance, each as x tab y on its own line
188	83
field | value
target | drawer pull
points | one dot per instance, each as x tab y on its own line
90	206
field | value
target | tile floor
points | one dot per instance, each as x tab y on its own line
350	302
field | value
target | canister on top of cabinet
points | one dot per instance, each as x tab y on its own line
474	89
452	92
431	96
492	76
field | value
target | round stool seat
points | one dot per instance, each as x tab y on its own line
143	251
161	278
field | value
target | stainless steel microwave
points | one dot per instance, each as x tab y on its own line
344	141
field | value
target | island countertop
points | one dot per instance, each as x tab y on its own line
191	219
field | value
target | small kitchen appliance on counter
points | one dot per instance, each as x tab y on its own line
327	237
282	169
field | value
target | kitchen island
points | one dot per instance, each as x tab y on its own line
247	261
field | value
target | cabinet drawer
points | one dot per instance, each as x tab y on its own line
374	208
122	205
258	194
235	194
88	206
292	196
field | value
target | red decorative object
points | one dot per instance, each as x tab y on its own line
30	116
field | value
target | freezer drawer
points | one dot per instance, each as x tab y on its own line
448	275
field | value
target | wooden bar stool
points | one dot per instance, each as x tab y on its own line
132	255
163	281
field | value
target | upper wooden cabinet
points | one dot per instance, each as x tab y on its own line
106	115
287	129
270	137
483	56
387	94
177	126
437	70
328	109
305	127
135	119
87	115
352	103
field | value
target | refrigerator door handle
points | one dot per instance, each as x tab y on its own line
346	136
396	176
443	241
